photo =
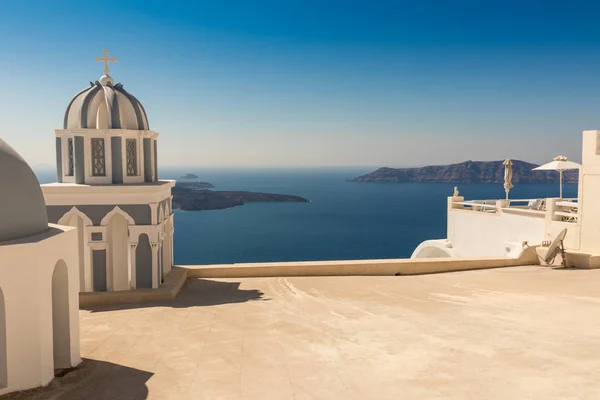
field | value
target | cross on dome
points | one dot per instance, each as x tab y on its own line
106	60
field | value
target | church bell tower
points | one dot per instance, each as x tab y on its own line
108	187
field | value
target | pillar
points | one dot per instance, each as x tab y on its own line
87	261
155	280
132	264
167	252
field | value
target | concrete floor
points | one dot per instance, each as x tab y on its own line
514	333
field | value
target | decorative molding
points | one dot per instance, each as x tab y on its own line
116	210
75	211
98	245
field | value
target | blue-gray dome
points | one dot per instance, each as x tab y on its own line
104	106
22	205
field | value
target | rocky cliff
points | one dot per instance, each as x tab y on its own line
468	172
192	196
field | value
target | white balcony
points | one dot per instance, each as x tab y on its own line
490	228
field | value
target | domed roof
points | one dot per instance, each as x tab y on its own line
23	209
103	105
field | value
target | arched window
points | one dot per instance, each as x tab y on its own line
131	149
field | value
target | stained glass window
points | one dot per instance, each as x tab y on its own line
98	155
70	166
131	148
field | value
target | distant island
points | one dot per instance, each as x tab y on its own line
468	172
192	196
189	176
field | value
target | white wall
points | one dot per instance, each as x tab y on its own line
589	184
26	269
479	234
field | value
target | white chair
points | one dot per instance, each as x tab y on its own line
537	204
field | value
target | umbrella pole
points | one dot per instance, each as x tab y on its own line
561	173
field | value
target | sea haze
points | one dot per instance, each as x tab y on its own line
342	221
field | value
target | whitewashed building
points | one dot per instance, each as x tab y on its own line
493	227
108	187
39	283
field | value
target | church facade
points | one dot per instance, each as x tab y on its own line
108	187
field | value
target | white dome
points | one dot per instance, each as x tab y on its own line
104	106
22	205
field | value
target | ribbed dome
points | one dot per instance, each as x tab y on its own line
104	106
22	205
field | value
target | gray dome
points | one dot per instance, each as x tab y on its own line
104	106
22	205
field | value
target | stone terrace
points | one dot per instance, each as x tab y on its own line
513	333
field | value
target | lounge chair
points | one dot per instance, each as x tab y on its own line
547	254
537	204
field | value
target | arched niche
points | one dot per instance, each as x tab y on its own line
143	263
61	330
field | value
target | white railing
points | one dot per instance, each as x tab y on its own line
566	211
488	206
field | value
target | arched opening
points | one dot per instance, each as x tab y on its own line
61	332
3	355
143	263
118	252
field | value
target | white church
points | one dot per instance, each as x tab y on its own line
108	187
105	225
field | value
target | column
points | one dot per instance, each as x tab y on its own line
171	250
153	213
132	264
59	161
167	250
155	281
87	261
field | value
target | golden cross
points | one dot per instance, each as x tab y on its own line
105	60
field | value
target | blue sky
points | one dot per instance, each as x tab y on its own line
314	83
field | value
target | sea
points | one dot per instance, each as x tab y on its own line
343	220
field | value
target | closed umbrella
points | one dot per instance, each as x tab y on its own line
560	164
507	176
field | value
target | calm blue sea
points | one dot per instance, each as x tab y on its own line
342	221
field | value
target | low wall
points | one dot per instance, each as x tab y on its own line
358	267
168	290
405	266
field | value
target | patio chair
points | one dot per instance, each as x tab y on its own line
475	205
537	204
547	254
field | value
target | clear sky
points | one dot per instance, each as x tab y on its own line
314	82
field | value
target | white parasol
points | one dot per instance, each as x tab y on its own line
560	164
507	176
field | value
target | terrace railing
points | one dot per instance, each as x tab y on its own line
566	211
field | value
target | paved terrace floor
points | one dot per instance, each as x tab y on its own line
514	333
